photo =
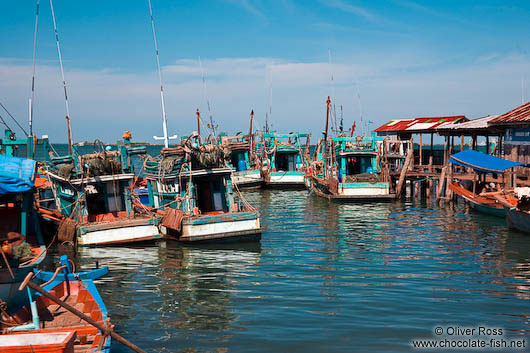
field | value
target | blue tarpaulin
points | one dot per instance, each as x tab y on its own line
16	174
482	162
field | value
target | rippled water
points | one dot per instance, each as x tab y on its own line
327	277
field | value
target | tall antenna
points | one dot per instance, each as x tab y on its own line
360	107
206	96
33	77
333	109
64	81
270	101
164	120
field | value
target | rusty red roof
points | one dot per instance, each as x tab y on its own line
518	115
419	125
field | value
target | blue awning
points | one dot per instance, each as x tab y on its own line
482	162
16	174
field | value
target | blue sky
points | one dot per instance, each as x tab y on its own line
405	58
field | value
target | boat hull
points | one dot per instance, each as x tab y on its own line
285	180
223	227
9	287
481	204
250	179
379	191
118	233
517	219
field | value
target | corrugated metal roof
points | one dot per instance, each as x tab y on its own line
518	115
418	125
475	124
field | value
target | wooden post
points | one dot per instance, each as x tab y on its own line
421	150
402	175
417	190
461	143
441	184
429	187
487	144
448	191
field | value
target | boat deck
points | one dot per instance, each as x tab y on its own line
54	318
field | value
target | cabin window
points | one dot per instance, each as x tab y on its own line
211	195
286	162
358	165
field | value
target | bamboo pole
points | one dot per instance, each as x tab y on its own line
103	328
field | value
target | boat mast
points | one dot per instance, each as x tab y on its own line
250	137
328	104
64	81
164	120
212	126
33	77
198	125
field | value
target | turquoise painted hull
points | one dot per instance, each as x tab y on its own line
492	211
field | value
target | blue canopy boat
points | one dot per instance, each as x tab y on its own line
22	244
480	196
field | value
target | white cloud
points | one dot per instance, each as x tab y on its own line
104	103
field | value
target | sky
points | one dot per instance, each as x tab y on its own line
378	60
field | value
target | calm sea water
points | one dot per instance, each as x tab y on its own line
326	277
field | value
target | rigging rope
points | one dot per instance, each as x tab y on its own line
15	120
60	59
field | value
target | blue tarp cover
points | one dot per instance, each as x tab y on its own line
482	162
16	174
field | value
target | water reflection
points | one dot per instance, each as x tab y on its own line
326	276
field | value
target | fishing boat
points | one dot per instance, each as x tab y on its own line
243	159
93	195
350	168
191	185
480	194
44	326
517	208
22	247
286	159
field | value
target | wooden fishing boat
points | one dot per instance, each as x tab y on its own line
93	191
481	196
192	186
350	168
517	208
483	202
44	326
243	159
286	160
22	245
